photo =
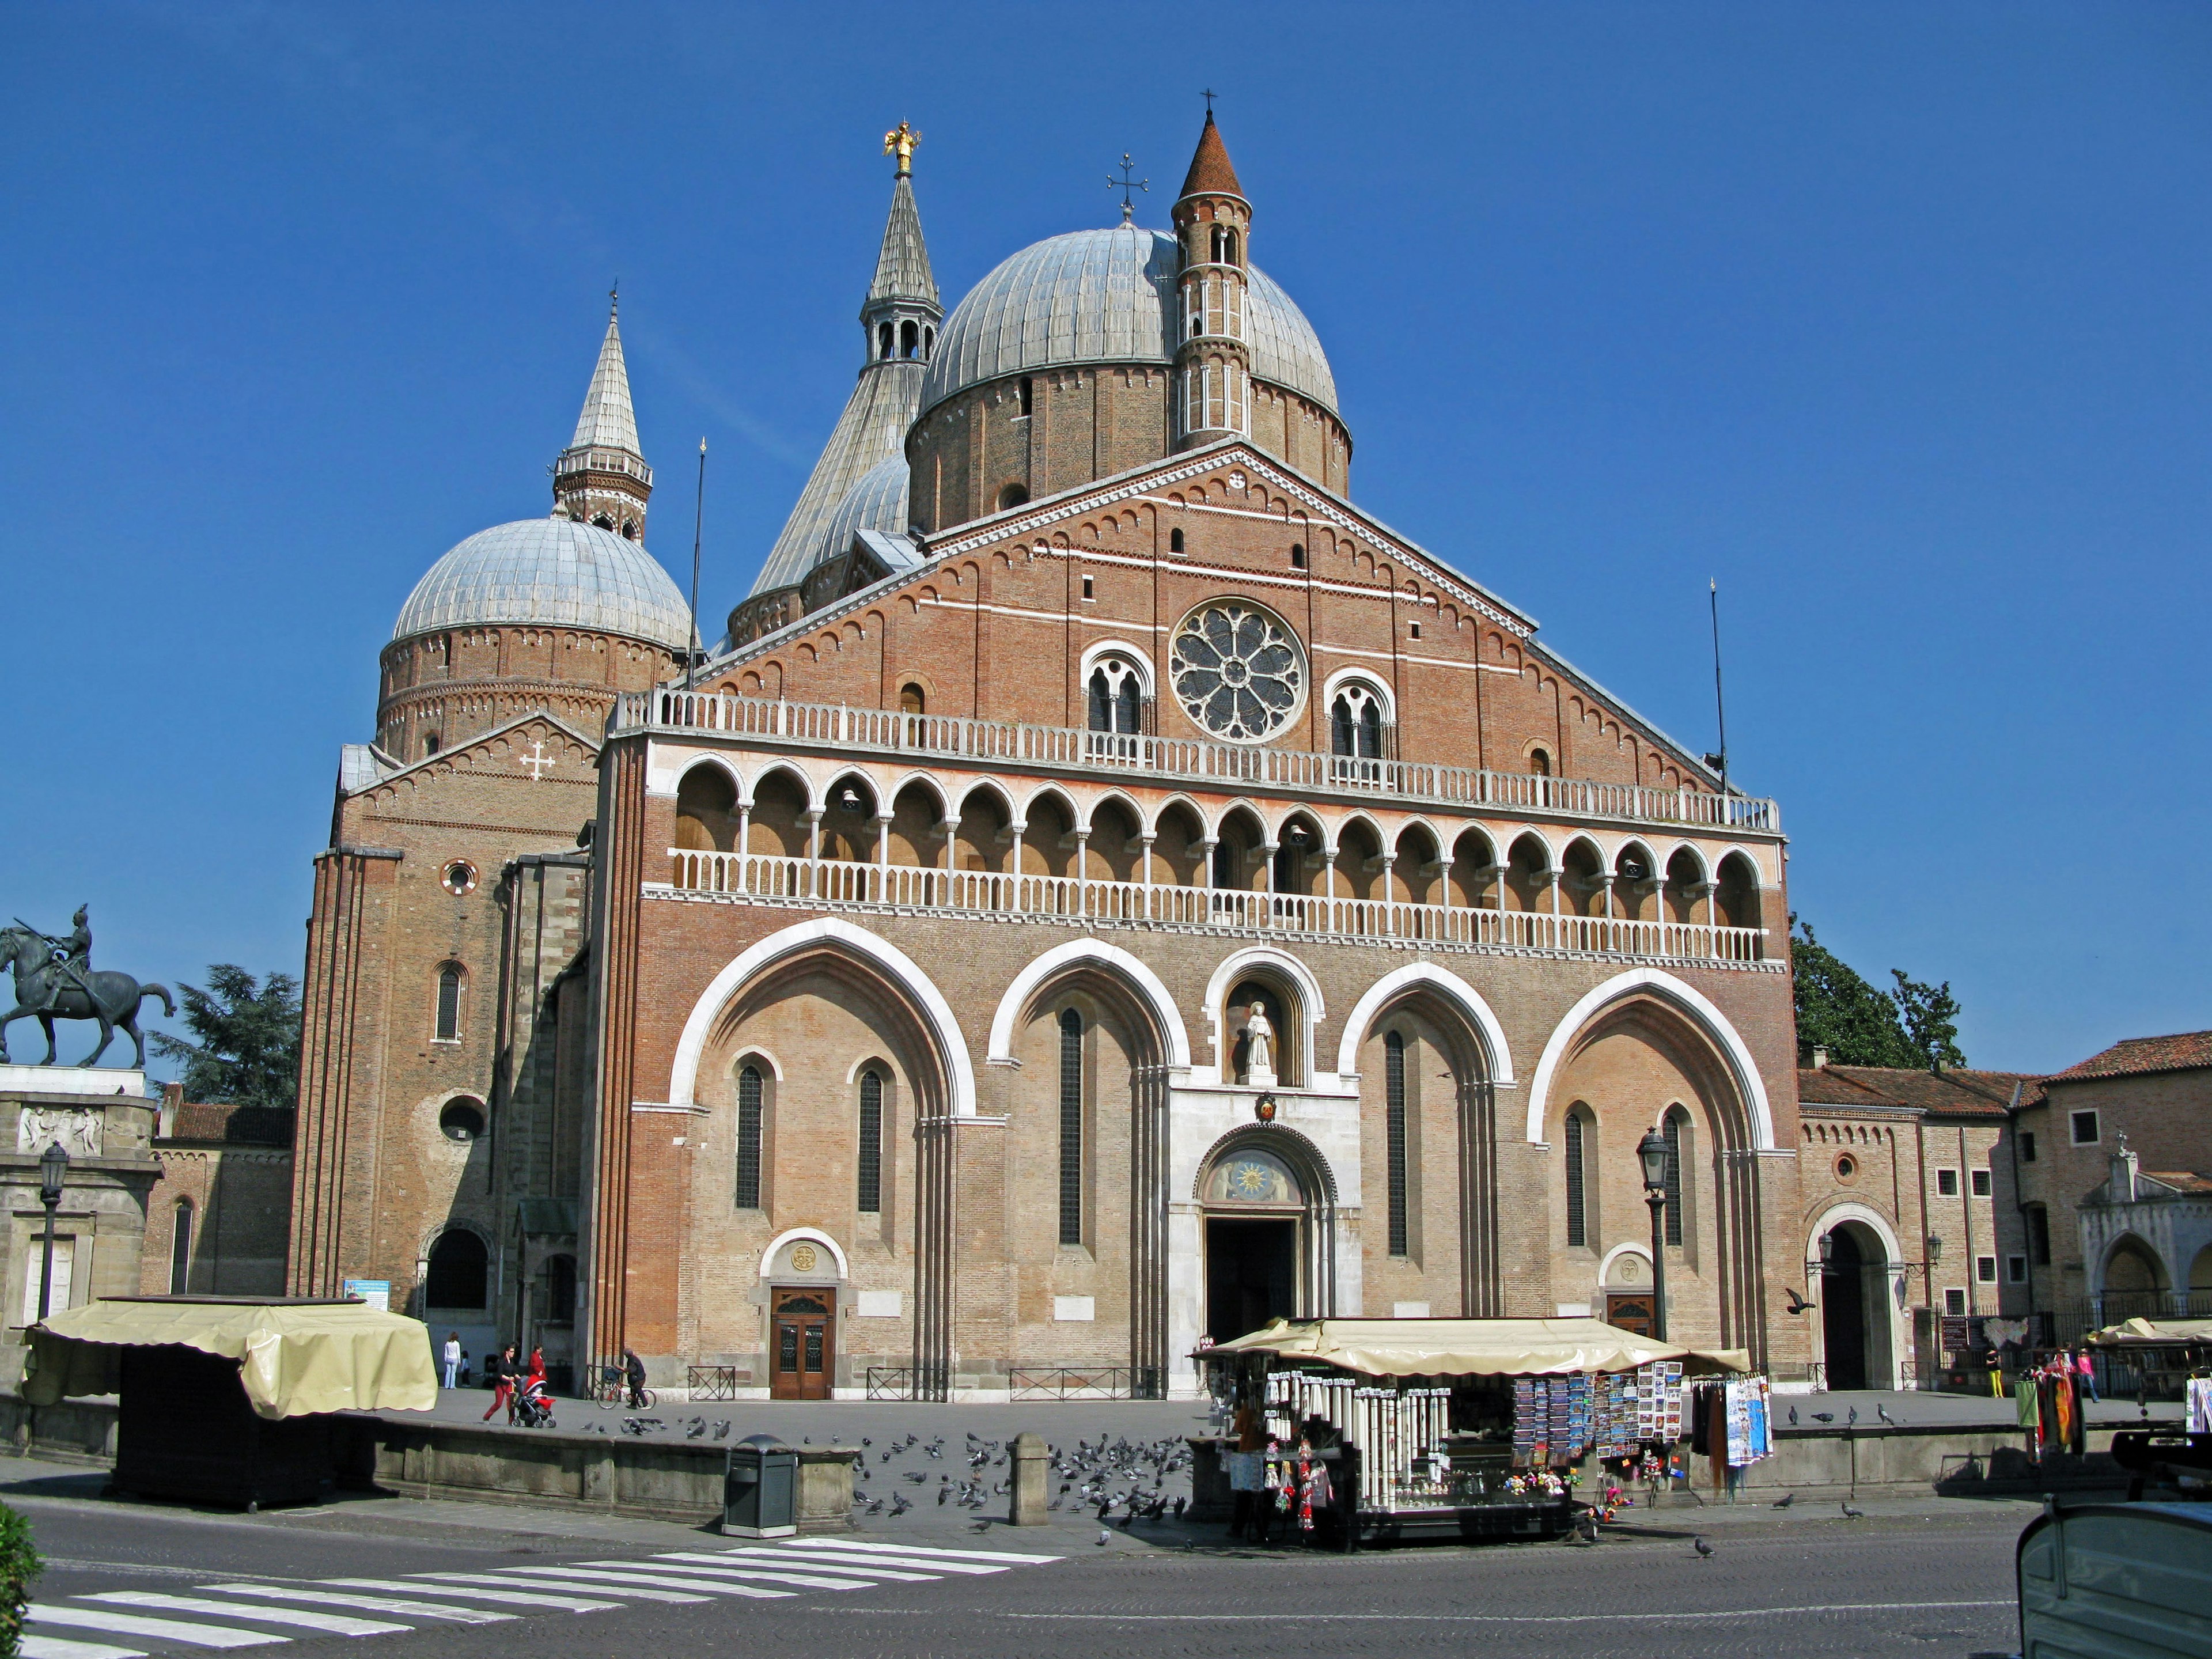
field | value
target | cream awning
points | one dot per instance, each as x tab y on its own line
295	1357
2175	1331
1472	1347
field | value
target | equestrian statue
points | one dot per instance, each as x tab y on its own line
54	980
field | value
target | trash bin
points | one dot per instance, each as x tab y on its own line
760	1494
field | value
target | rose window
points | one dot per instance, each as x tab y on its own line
1237	671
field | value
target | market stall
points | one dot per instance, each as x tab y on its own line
2158	1358
1388	1428
226	1398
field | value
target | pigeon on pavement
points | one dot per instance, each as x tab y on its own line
1793	1417
1784	1501
1851	1514
1824	1417
1882	1412
1104	1538
1704	1550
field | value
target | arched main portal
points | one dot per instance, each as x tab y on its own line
1268	1206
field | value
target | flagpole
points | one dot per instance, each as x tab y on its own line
698	522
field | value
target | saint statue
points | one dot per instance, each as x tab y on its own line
1259	1054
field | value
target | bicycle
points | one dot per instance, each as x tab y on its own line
611	1388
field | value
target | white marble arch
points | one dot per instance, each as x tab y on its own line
1141	979
1685	999
1234	967
895	964
1498	1058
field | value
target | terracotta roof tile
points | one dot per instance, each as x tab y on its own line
1211	174
1953	1093
2183	1181
2186	1051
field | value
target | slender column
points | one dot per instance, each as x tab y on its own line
814	834
1082	872
951	829
1205	847
1147	839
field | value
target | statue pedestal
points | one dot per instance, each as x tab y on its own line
41	1080
1260	1077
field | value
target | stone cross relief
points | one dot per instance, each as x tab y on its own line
39	1127
538	760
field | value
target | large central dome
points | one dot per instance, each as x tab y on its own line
1106	296
550	572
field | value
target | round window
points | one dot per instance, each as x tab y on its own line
461	1120
1847	1167
1238	671
459	876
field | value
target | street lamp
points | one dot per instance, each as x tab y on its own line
1652	1151
53	1169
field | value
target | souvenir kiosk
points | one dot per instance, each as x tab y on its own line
1444	1428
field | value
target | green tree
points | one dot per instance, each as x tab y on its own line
248	1051
1838	1010
1930	1015
1915	1025
19	1565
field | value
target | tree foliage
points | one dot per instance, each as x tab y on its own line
19	1565
1915	1025
248	1051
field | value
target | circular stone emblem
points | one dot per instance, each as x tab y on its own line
803	1258
1237	670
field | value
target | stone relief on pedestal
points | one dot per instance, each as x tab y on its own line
41	1126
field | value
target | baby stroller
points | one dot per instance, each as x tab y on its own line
534	1406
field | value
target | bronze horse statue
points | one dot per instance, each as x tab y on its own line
113	1002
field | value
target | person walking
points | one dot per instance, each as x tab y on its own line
452	1358
501	1385
634	1375
1247	1482
2088	1373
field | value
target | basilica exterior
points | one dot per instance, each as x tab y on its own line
1104	890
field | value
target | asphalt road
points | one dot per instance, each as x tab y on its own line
1921	1576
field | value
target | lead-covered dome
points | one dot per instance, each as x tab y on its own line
553	572
1106	296
876	500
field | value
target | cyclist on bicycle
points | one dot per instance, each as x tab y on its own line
634	1375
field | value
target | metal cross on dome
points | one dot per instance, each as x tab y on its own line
1125	184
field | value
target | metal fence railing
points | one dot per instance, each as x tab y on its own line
1086	1382
713	1381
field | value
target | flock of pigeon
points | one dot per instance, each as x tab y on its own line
1108	1476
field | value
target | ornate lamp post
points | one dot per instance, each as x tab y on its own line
1651	1152
53	1168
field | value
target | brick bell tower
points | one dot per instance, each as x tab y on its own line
1213	364
600	478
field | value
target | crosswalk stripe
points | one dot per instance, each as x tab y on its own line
32	1645
331	1623
787	1575
592	1575
507	1598
636	1592
870	1546
159	1629
367	1603
837	1564
827	1556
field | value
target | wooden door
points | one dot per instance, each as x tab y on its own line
802	1347
1630	1310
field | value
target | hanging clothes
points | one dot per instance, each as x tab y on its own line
2028	1408
2200	1405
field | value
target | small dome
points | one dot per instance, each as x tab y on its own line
553	572
876	500
1106	296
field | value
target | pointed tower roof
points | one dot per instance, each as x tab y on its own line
608	421
1211	173
903	268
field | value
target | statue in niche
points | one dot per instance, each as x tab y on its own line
1259	1048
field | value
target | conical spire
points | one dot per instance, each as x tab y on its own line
608	421
1211	173
601	478
903	268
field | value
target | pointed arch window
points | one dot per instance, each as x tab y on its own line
1394	1096
1578	1150
1675	1128
909	339
448	1027
749	1139
1070	1127
180	1250
884	342
1355	722
871	1142
1116	696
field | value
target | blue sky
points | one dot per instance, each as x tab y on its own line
1892	318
